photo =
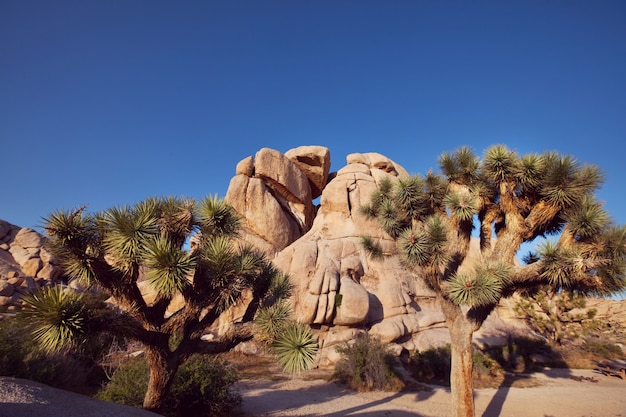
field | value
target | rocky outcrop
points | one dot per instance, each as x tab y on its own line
25	264
274	194
340	290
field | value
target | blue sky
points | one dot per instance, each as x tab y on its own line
108	102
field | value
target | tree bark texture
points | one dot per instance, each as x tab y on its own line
462	365
163	366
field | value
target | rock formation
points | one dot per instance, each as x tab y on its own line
25	263
274	193
340	291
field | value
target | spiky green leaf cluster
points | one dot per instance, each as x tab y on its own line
296	348
271	321
587	219
460	166
216	218
565	181
557	263
474	290
425	244
58	317
126	232
372	247
499	164
462	205
76	240
169	267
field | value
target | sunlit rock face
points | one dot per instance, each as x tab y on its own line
274	194
339	290
25	264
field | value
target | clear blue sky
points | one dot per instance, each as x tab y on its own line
108	102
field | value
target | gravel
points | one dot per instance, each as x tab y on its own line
25	398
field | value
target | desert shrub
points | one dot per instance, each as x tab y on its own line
432	365
485	366
202	387
128	384
602	350
519	354
21	357
366	365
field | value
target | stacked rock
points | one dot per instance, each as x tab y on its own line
25	264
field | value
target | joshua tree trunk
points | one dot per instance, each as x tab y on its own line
163	366
461	382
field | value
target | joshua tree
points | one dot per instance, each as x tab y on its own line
120	247
511	199
557	314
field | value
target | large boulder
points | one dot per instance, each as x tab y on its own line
274	197
314	162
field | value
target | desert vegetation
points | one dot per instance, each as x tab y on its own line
510	199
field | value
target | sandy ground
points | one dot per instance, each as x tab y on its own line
556	394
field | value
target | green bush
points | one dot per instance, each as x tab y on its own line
366	365
517	354
202	387
432	365
21	357
128	384
602	350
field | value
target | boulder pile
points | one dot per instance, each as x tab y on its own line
25	264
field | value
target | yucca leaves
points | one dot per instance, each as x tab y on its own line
529	172
587	219
271	321
216	218
295	348
126	233
460	166
373	248
557	264
281	287
499	164
58	318
168	267
565	182
462	205
481	287
474	290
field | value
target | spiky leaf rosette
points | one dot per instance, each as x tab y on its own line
474	290
372	247
587	219
462	205
499	164
557	265
216	218
271	321
58	318
75	240
460	166
529	172
280	287
295	348
565	182
169	267
127	231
